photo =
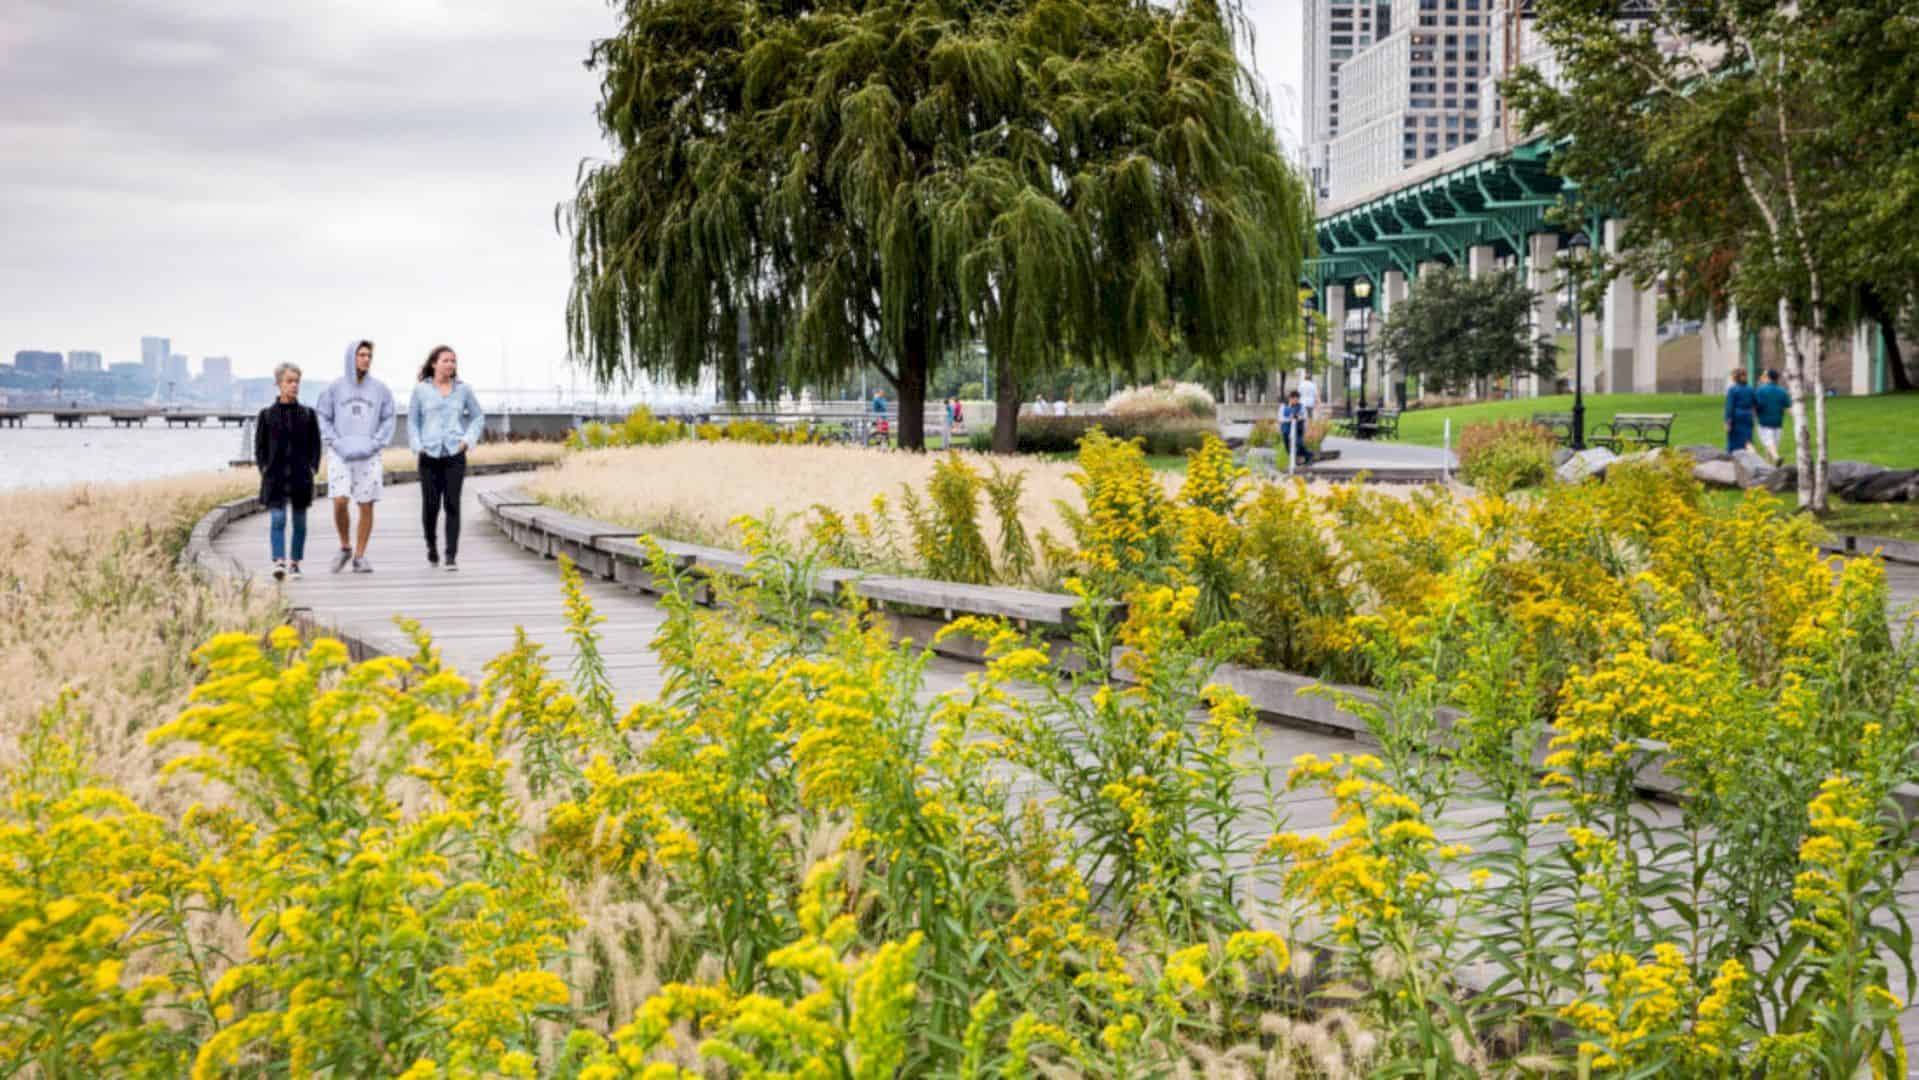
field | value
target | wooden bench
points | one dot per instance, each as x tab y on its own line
1637	430
1371	424
1558	424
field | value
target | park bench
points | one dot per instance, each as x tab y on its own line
1636	430
1371	424
1558	424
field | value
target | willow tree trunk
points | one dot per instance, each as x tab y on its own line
1006	396
912	388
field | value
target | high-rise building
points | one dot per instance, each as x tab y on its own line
1336	31
1413	93
38	362
84	361
216	377
153	355
177	371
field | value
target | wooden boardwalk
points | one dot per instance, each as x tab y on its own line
472	615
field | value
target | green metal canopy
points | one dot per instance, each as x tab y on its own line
1497	201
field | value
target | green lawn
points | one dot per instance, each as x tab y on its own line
1883	429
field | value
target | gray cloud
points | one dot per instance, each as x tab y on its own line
266	180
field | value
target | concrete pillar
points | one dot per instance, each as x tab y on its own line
1620	317
1479	260
1719	352
1542	253
1333	325
1392	292
1864	339
1645	354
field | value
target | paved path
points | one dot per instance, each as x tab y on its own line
472	615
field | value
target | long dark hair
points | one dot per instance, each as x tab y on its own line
426	369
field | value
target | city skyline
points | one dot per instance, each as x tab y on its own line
278	180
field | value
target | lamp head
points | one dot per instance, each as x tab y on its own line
1362	288
1579	244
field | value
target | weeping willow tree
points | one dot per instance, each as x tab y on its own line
805	189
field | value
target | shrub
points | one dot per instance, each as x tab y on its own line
1505	455
1159	437
1265	434
1163	401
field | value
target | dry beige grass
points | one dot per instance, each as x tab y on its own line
689	491
92	599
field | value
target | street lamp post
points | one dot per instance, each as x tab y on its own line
1577	248
1308	306
1362	290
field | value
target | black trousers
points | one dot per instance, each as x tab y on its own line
441	479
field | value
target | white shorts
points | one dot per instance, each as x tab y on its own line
362	480
1769	438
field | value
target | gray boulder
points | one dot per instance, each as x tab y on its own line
1586	463
1562	456
1843	477
1754	471
1892	485
1783	479
1717	473
1705	453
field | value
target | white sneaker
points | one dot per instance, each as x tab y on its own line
340	559
361	566
279	569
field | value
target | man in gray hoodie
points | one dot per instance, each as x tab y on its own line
356	421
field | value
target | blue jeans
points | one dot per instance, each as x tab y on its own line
277	527
1738	436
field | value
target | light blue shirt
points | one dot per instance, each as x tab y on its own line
437	424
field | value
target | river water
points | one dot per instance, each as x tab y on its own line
42	455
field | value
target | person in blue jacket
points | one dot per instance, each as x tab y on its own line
444	420
356	422
1770	404
1740	407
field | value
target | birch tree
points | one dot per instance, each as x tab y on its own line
1700	125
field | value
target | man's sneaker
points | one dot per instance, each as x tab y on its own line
361	566
451	565
279	569
341	558
433	557
293	570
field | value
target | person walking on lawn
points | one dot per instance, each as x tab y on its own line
1770	403
356	422
1740	403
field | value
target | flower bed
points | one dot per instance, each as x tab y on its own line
799	860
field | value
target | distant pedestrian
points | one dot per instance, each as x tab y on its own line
1292	428
1308	394
1740	403
444	420
356	421
1770	403
1059	407
286	450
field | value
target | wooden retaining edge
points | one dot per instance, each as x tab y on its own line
1905	552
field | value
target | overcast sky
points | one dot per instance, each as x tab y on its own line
269	180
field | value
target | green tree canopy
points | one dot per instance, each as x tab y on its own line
802	189
1453	329
1771	160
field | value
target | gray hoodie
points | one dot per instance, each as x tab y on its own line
356	414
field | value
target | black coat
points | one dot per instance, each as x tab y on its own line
286	448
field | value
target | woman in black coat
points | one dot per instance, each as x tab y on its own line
286	448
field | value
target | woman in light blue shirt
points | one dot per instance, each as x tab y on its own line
442	422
